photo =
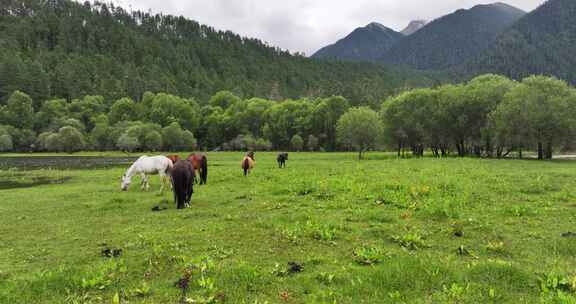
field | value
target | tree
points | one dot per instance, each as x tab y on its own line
297	143
100	135
263	145
360	128
19	111
286	119
53	142
172	137
123	110
540	110
223	99
189	142
167	109
312	143
153	141
6	143
128	143
326	115
71	140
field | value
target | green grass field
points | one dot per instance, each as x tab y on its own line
327	229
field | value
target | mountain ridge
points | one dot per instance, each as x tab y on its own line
413	27
454	38
362	44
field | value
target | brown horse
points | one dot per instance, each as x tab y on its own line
200	164
174	158
182	183
248	162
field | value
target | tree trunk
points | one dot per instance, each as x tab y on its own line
549	152
520	153
540	151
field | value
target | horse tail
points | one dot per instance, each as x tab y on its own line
204	172
246	166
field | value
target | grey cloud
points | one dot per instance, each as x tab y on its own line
306	25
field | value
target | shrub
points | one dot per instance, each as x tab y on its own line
6	143
128	143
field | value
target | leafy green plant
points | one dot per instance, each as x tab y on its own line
293	235
368	255
411	241
144	290
497	247
521	211
326	278
554	281
322	232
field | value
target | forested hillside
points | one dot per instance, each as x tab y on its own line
543	42
363	44
454	38
60	48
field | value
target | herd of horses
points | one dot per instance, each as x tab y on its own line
182	173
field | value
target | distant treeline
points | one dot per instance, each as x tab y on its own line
66	49
490	116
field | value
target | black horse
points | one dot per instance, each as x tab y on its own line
182	183
282	158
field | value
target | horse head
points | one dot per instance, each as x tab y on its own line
251	155
125	183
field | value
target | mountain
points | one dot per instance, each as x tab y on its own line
66	49
363	44
413	27
543	42
454	38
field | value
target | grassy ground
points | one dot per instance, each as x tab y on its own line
327	229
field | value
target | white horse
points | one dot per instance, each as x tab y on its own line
160	165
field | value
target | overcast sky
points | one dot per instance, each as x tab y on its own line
307	25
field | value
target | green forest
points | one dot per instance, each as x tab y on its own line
64	49
489	116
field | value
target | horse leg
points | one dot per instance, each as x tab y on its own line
162	182
146	183
142	181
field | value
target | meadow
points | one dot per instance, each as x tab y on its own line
327	229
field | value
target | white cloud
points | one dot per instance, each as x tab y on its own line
307	25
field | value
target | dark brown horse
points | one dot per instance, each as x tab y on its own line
200	164
248	162
182	183
282	158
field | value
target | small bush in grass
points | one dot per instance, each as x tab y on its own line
496	247
411	241
321	232
368	255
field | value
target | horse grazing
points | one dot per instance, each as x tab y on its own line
182	183
200	164
282	158
145	165
248	162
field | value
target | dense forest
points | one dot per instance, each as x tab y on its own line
64	49
489	116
